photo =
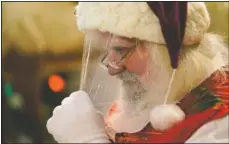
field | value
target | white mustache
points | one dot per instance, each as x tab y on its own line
127	76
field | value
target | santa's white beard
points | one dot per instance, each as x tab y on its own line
133	90
147	91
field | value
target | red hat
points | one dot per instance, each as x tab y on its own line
172	17
171	23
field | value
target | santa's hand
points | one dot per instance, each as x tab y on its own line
77	121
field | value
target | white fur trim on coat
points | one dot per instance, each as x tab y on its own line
136	20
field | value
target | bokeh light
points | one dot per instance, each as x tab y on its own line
56	83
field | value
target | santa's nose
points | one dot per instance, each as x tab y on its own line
113	67
113	70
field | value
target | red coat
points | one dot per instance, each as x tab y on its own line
208	102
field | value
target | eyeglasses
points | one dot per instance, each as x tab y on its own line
116	64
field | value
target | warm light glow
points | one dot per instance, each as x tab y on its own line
56	83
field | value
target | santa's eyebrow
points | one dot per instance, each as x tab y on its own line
118	45
123	43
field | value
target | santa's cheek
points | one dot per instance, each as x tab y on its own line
137	64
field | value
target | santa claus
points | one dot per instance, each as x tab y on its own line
174	76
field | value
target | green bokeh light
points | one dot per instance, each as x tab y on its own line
8	89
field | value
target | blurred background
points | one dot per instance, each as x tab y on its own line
41	63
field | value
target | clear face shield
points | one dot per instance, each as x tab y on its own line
105	55
100	51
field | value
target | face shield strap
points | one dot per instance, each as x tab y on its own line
169	86
85	61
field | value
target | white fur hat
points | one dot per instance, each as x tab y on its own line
136	20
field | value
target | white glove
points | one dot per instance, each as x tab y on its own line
77	121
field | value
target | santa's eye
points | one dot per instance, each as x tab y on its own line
120	50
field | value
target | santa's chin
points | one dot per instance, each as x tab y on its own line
139	93
132	89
